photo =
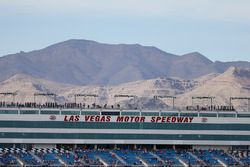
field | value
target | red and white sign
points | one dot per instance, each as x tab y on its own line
152	119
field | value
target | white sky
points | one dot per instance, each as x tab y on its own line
186	23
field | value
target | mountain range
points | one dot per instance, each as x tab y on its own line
88	67
235	82
84	62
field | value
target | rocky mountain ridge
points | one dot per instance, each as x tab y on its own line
84	62
232	83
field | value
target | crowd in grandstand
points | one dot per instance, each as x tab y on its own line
122	157
56	105
211	108
105	106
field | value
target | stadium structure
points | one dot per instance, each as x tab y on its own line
75	134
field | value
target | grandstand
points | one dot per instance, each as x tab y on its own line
121	157
74	134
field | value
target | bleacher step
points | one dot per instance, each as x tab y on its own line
222	163
19	161
102	161
36	157
118	157
235	159
61	161
143	162
194	156
159	158
182	162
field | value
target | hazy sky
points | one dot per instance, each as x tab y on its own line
219	29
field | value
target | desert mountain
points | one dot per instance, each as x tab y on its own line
25	86
84	62
235	82
142	88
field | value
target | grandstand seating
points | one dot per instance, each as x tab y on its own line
69	158
168	156
224	157
108	158
8	159
188	158
150	159
87	157
26	157
245	161
242	156
207	157
129	156
120	157
48	156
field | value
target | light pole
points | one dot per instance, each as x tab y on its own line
45	94
13	94
167	97
85	95
124	95
204	97
240	98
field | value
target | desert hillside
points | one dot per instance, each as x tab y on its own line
235	82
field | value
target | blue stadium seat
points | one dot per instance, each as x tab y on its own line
7	158
129	156
95	157
169	157
150	159
48	157
228	160
88	157
187	158
207	157
27	158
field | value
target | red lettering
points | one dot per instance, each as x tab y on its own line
158	119
180	119
126	119
108	118
142	119
170	119
77	118
92	118
87	117
71	118
163	119
102	119
65	118
97	118
185	119
120	119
